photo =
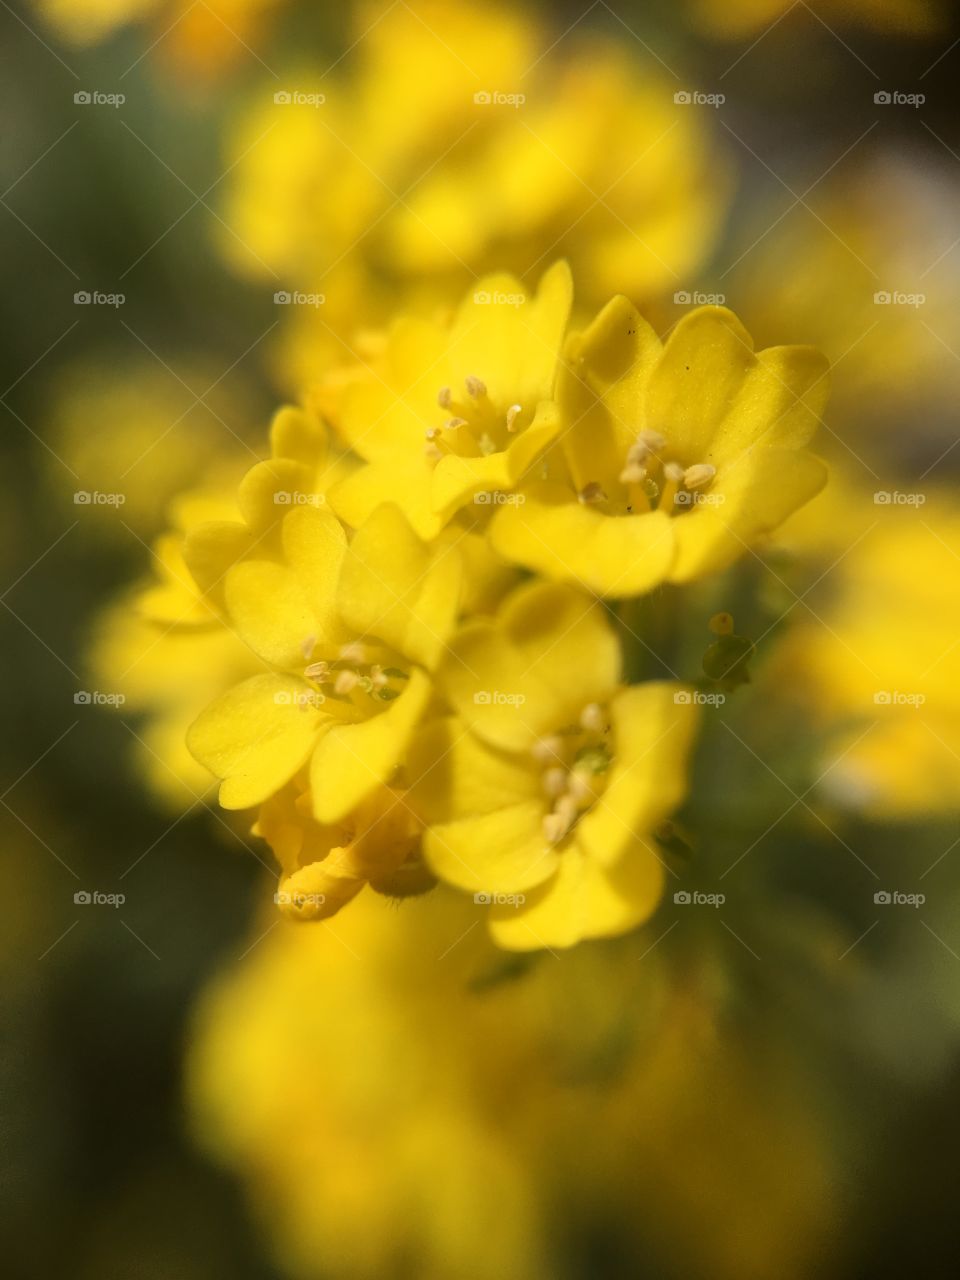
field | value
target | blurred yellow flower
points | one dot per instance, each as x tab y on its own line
542	796
464	137
674	458
202	39
876	664
737	19
876	293
433	1104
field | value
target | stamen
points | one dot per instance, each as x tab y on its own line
307	647
318	671
512	414
476	387
652	440
673	472
433	453
431	433
453	423
355	652
700	474
444	397
486	445
633	473
547	749
555	781
592	492
592	718
346	682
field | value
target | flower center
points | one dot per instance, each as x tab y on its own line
472	426
575	763
653	479
355	677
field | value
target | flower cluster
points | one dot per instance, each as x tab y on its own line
423	580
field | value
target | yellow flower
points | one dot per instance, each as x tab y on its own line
544	792
455	140
455	411
165	649
674	458
324	866
347	635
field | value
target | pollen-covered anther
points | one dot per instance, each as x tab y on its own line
432	452
378	678
547	750
444	397
307	647
592	493
699	475
355	652
555	781
652	441
453	424
512	414
486	445
633	473
431	433
673	472
345	682
318	671
558	822
476	387
592	718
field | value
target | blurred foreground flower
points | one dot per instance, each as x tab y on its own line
439	1108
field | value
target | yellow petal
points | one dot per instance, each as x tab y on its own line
406	480
510	340
602	387
453	774
210	550
554	534
299	436
550	652
256	736
352	759
279	608
269	490
499	852
750	498
697	380
582	900
393	586
653	729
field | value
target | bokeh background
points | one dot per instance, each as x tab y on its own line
191	1088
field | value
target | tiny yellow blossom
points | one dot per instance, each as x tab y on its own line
674	458
542	794
347	635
